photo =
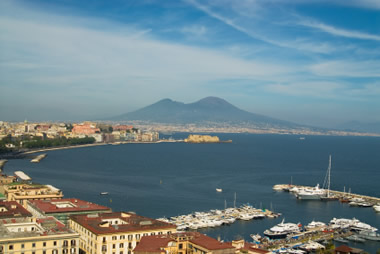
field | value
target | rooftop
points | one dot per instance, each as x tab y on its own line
155	243
12	209
66	205
119	222
21	228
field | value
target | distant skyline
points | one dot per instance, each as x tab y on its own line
306	61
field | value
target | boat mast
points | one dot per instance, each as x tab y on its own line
235	201
328	177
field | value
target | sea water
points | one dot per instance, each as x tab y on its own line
169	179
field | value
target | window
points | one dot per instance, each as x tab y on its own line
55	243
104	239
113	246
44	244
33	245
33	252
73	242
130	237
121	245
54	252
138	237
114	237
180	246
130	245
11	247
22	246
44	252
65	243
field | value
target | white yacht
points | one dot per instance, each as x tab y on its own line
282	230
311	194
315	225
359	226
377	208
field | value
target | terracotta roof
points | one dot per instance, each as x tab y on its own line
153	243
130	223
208	242
74	205
344	248
14	209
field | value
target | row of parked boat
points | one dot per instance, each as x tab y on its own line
214	218
284	230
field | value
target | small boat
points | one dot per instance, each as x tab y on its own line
340	240
376	208
219	190
355	238
104	193
369	235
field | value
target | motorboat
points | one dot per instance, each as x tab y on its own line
311	194
355	238
282	230
340	223
219	190
315	225
376	208
312	246
357	225
369	235
104	193
340	240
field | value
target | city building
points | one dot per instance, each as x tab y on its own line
115	233
39	236
182	243
85	128
22	192
62	209
12	209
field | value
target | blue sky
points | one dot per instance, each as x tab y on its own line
311	62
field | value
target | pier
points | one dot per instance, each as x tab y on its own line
340	195
39	158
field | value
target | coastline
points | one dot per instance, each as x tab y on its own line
20	154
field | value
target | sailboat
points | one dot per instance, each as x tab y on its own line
328	197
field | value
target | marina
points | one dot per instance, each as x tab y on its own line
215	218
291	237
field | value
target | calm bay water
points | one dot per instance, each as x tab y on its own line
168	179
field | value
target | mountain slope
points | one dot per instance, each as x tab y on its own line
209	109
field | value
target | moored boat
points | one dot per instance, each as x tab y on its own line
282	230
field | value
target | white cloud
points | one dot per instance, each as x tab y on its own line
347	68
317	89
300	44
340	32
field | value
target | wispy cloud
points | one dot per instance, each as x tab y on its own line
347	68
340	32
314	89
297	44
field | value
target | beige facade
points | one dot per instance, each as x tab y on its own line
21	192
115	233
45	236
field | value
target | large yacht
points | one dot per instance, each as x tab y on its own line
311	194
282	230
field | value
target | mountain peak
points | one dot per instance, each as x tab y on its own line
213	102
206	110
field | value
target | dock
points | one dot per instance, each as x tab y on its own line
340	195
39	158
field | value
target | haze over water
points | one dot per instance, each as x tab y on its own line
169	179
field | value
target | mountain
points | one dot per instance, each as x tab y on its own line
207	110
360	126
